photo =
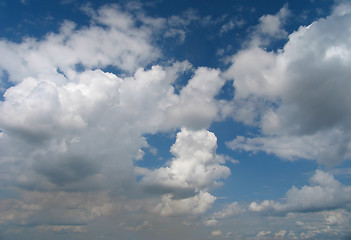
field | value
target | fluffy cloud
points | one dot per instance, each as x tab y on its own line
298	95
271	25
57	120
227	212
195	205
70	131
112	38
322	146
195	168
195	106
57	209
69	126
227	27
65	127
196	165
216	233
324	193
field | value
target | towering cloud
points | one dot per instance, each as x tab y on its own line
196	165
195	169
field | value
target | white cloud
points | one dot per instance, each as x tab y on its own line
229	211
195	167
271	25
195	106
234	23
341	9
177	26
78	129
194	170
216	233
299	95
256	72
139	227
327	147
326	224
338	217
198	204
270	28
227	27
60	228
56	116
111	39
280	234
263	234
71	132
324	193
140	154
54	209
210	222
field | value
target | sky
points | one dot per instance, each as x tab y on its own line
195	120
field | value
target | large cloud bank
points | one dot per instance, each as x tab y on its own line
68	125
298	96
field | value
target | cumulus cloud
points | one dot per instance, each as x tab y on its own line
271	235
54	209
324	193
322	146
216	233
112	38
61	121
227	212
72	117
195	167
198	204
263	234
230	210
271	25
68	125
298	95
184	182
195	106
270	28
177	25
56	123
227	27
71	132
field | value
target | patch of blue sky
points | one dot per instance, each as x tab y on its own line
226	92
4	83
259	176
158	153
36	19
342	172
9	194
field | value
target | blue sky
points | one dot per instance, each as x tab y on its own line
175	119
